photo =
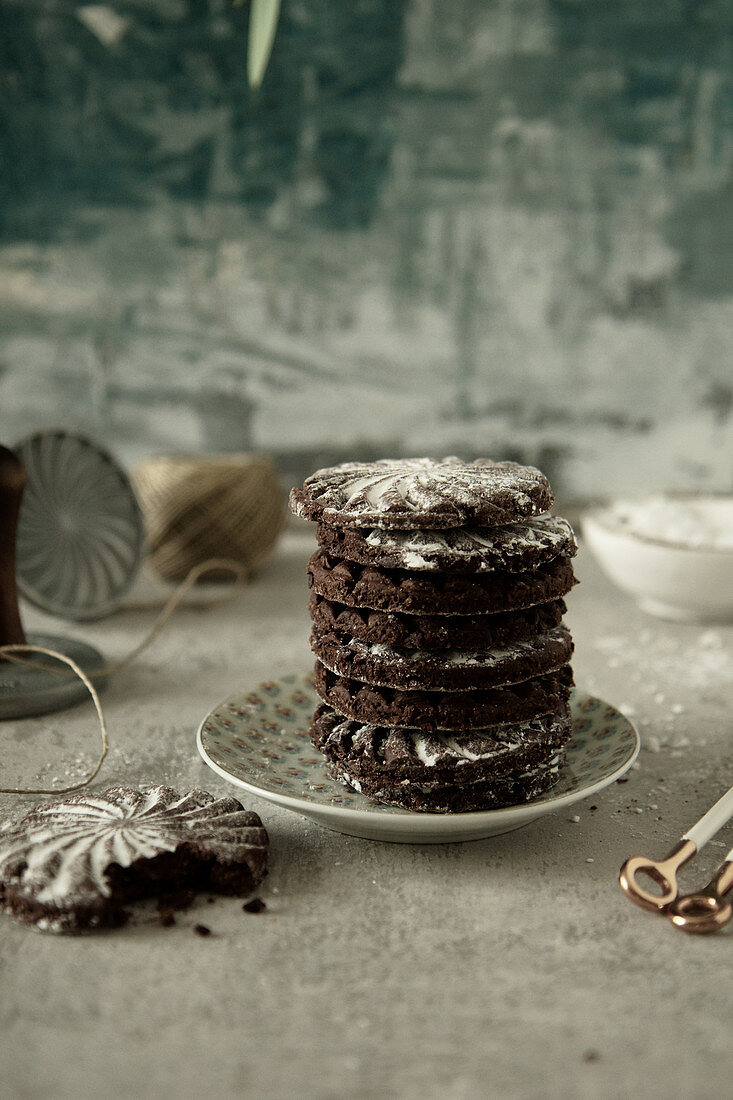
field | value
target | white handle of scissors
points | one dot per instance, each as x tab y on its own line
712	822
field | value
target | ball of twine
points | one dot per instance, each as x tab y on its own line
210	506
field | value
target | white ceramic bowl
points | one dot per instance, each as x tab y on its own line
674	554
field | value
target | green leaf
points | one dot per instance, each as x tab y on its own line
263	17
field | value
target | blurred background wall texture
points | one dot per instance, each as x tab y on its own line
497	227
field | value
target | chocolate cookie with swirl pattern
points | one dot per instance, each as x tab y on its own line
410	493
425	770
514	547
73	866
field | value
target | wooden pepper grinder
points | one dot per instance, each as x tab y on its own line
12	483
24	689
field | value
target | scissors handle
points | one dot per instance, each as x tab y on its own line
713	821
706	910
661	871
664	871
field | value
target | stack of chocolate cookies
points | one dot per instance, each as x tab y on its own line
442	660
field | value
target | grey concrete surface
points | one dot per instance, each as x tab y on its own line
511	967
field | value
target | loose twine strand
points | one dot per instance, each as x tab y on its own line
13	653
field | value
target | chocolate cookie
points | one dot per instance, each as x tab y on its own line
72	866
444	670
513	548
451	710
492	794
431	632
357	585
407	493
442	773
422	756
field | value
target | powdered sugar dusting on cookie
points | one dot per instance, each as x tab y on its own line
422	492
59	854
481	548
486	656
445	749
446	670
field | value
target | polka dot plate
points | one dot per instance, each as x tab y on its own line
259	740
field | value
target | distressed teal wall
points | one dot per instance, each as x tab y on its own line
483	226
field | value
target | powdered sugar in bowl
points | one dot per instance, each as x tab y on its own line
672	552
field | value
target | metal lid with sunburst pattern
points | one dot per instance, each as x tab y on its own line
80	531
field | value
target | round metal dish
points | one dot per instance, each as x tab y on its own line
26	690
80	531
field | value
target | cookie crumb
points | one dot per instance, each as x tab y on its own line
256	905
202	930
180	899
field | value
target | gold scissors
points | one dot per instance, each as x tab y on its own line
691	913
